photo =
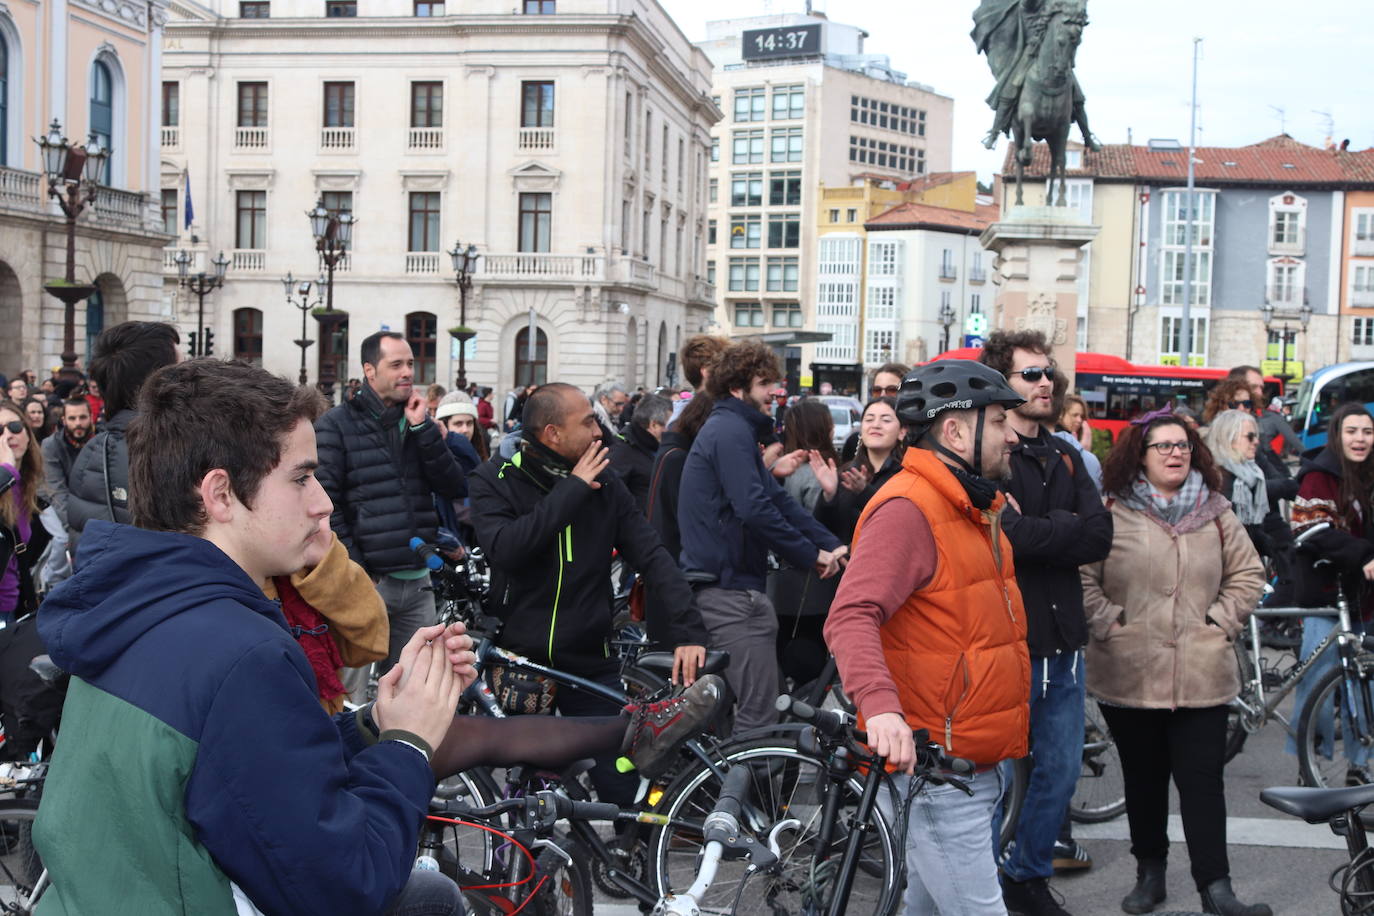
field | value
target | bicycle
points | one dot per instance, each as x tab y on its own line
1343	810
810	824
1328	710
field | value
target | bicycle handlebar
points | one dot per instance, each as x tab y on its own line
837	724
433	560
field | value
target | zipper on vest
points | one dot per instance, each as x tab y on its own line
1006	595
949	719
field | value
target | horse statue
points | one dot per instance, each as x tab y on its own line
1031	45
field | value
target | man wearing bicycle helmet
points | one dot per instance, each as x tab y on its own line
937	639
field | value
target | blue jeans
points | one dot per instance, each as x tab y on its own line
1056	745
1314	630
428	893
949	855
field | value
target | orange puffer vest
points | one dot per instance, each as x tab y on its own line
957	647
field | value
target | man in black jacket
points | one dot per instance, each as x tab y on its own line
547	520
381	459
1056	522
632	458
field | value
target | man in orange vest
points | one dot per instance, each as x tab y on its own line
937	639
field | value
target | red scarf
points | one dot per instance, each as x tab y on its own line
312	632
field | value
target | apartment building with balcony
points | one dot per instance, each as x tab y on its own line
566	139
805	107
1357	273
93	66
1270	241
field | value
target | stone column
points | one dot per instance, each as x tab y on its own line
1038	256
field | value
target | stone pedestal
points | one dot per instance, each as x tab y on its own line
1038	256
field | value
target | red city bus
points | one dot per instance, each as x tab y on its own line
1116	390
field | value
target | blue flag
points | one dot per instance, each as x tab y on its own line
190	210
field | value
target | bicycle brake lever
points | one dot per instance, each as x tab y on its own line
949	781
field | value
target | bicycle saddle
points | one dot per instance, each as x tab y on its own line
661	663
1317	806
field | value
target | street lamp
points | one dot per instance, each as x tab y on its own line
947	316
201	284
1286	336
298	294
73	174
464	266
333	233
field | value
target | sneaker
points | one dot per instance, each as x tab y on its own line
1071	856
658	730
1031	898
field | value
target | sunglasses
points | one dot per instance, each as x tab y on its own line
1242	405
889	390
1035	373
14	426
1253	437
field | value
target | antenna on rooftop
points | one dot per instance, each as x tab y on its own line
1282	116
1328	122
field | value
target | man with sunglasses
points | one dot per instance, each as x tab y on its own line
1056	522
887	380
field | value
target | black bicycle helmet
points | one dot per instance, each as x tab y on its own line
952	384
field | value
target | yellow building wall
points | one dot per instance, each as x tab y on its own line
83	43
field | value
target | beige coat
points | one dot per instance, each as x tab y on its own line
1148	604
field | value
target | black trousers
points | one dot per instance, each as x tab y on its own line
1190	746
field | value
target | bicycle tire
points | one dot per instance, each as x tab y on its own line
568	890
1236	734
1321	718
783	783
640	683
1100	793
20	866
474	848
1013	799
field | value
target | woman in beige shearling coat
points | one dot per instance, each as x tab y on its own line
1163	609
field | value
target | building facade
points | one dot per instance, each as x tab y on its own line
1273	266
1356	259
566	139
804	107
92	66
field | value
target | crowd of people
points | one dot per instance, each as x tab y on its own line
971	564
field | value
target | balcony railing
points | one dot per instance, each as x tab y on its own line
171	137
1362	296
703	291
124	208
336	138
425	138
1294	242
1286	296
1362	247
540	266
169	260
251	139
22	190
422	262
536	139
978	275
249	259
948	272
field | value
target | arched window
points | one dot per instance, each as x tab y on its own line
95	320
526	372
248	335
102	113
662	367
421	334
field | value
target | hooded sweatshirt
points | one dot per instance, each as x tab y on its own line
194	752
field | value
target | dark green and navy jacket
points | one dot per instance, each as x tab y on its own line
194	753
550	537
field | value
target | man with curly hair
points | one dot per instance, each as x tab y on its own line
732	512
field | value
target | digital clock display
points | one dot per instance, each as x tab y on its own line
794	41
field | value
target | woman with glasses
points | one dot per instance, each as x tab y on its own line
1233	439
1163	608
1228	394
1335	488
22	537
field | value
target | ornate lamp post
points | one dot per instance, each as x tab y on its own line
333	234
73	174
201	284
947	317
1286	336
298	294
464	266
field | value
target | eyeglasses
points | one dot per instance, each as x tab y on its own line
1164	448
14	426
878	391
1242	405
1034	373
1253	437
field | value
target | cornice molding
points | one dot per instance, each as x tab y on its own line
123	11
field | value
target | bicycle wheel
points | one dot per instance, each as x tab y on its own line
1012	800
1235	719
20	867
567	880
1337	711
458	846
784	783
1100	794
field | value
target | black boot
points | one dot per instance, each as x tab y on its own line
1218	898
1149	890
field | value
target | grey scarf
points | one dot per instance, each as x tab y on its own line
1145	498
1249	497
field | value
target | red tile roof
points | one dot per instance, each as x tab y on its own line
1279	160
933	180
924	216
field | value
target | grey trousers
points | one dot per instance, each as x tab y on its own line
409	606
742	622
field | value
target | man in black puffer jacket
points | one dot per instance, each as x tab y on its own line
121	360
381	458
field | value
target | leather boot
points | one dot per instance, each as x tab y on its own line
1149	890
1218	898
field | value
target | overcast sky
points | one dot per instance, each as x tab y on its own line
1134	65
